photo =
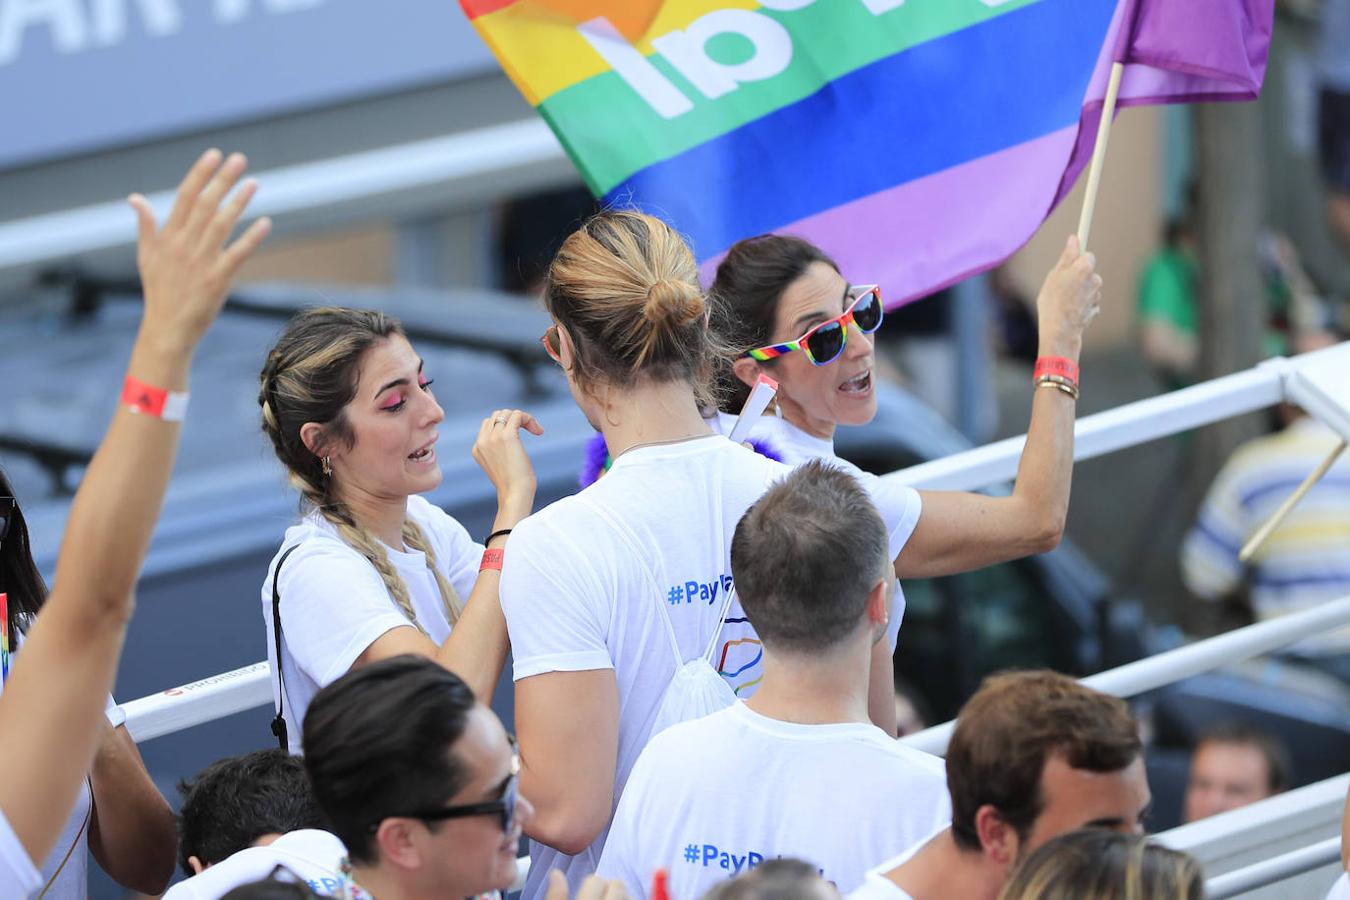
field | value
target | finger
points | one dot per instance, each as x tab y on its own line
244	245
615	891
531	424
1071	250
223	222
191	186
557	886
145	219
220	184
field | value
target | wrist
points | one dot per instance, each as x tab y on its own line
1069	347
511	509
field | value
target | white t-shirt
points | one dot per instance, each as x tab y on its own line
577	597
839	796
313	856
15	867
1341	889
334	605
797	447
876	886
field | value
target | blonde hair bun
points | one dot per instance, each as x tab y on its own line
673	304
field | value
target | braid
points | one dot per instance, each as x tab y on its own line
413	537
362	541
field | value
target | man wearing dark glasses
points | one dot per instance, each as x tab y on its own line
418	780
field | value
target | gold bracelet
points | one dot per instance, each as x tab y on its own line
1059	382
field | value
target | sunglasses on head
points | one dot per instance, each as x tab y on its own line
505	808
824	343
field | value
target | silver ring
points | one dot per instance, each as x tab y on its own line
499	421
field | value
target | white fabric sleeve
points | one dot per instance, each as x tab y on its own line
900	505
16	869
333	606
457	553
556	612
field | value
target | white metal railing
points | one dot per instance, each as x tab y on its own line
481	163
1269	871
1163	669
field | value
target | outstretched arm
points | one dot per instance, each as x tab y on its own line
52	710
133	833
960	531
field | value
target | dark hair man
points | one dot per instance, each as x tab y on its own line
1234	765
798	769
1034	755
245	816
417	779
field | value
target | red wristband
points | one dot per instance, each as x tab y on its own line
1056	365
492	559
146	399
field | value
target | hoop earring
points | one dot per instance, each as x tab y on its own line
327	467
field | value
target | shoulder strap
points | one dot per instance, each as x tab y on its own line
279	722
656	581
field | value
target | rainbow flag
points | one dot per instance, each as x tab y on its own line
918	141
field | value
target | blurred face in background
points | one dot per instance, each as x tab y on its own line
1225	776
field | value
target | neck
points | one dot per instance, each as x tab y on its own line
797	416
820	689
382	516
650	413
945	869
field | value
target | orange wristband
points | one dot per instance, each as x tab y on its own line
492	559
1056	365
146	399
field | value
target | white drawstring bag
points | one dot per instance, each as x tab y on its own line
696	689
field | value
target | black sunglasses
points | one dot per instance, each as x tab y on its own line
505	807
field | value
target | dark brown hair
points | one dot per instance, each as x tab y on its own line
750	281
1279	767
806	556
1014	723
625	286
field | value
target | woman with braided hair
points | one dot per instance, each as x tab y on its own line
373	570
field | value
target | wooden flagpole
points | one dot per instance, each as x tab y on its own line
1099	155
1263	533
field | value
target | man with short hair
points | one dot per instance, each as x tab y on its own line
1034	755
798	769
244	816
417	779
1234	765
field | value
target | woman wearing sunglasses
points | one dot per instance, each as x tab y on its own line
788	313
611	592
373	570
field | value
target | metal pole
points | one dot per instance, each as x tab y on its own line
1269	871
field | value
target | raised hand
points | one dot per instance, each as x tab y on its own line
186	267
1069	299
501	453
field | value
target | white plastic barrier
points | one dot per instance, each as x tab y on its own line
1193	659
1264	850
1275	871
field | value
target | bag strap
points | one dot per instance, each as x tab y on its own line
626	536
279	722
73	844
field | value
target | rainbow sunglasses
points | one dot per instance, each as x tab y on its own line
825	342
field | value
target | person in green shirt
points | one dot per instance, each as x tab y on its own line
1169	308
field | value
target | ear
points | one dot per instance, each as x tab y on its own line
397	844
195	865
314	437
879	606
998	839
747	370
566	352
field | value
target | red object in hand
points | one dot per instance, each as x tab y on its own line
1056	365
660	891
